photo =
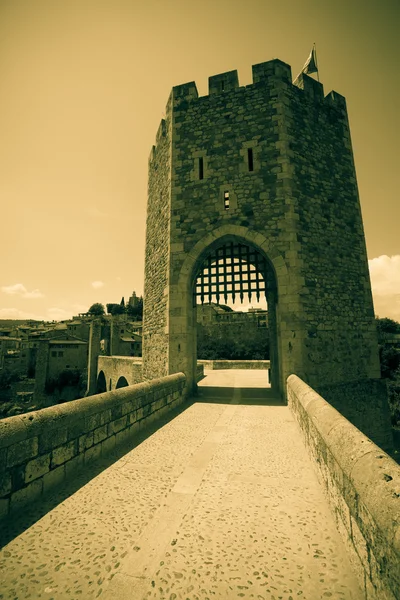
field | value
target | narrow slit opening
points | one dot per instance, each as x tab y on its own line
226	200
250	159
201	168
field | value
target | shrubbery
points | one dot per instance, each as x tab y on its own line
254	346
389	355
67	378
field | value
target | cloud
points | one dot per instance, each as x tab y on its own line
97	284
15	313
385	281
20	290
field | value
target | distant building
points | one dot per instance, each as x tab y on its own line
66	354
133	300
221	315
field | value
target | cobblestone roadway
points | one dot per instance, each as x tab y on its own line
220	503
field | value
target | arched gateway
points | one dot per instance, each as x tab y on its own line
261	175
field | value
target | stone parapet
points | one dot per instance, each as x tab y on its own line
40	449
235	364
363	487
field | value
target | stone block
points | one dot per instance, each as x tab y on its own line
37	467
92	453
85	442
359	544
4	507
105	416
76	429
63	453
73	465
132	417
93	421
128	407
100	434
17	477
51	438
3	459
117	425
108	445
12	430
116	412
53	478
5	484
22	451
123	436
26	495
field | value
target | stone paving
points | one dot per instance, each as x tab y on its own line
221	502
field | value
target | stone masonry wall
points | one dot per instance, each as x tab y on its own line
365	404
337	298
299	206
115	367
362	485
155	317
40	449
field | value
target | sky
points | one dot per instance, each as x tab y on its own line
83	86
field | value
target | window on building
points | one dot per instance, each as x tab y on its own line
250	162
201	167
61	353
226	200
54	353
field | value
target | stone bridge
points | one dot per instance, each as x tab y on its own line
230	494
114	372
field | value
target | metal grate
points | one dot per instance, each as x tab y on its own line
232	270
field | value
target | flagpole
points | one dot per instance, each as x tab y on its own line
316	62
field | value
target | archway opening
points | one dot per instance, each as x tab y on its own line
101	385
122	382
229	272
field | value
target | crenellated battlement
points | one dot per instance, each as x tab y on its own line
274	76
264	74
224	82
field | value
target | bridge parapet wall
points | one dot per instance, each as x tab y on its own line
363	488
235	364
40	449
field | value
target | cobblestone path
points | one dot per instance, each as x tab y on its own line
221	502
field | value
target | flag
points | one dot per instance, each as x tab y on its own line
311	63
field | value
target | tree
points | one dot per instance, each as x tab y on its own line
389	355
97	309
115	309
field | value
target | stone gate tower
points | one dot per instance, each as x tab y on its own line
261	174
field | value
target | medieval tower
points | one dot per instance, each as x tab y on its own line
253	190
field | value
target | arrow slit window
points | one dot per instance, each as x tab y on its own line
226	200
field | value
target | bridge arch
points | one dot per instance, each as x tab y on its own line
122	382
184	350
101	384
